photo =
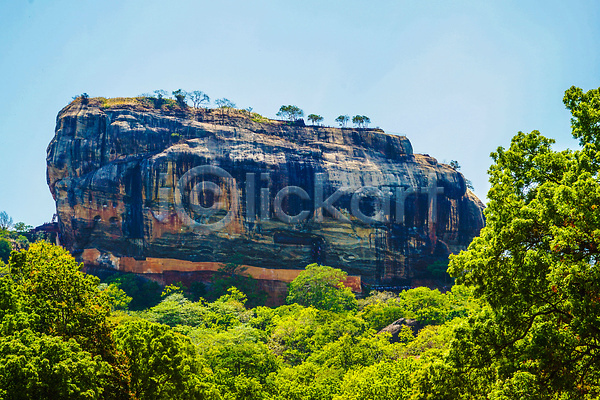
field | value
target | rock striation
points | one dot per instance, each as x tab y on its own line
170	190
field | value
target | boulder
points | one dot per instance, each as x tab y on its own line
151	190
395	327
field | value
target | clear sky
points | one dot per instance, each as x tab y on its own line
459	78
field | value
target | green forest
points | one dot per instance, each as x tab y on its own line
522	320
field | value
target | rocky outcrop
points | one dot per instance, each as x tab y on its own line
196	188
396	327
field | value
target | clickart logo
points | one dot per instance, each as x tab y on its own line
207	197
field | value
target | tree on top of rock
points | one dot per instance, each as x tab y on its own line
180	96
315	119
361	121
291	113
342	120
198	98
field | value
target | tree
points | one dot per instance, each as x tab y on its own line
117	298
366	121
5	249
361	121
45	292
198	98
6	221
162	363
34	366
535	267
180	96
322	287
233	274
381	381
291	113
67	301
358	120
315	119
143	292
22	227
224	103
342	120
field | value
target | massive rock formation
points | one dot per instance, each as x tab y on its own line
165	190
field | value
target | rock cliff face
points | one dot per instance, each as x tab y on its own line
160	191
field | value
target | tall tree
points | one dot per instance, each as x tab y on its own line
536	269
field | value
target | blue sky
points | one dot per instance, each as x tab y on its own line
458	78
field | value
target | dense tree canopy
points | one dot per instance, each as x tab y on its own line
535	265
322	287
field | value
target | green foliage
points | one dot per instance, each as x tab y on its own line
535	267
52	314
423	304
322	287
117	298
180	97
233	274
315	119
350	351
361	121
22	227
144	293
172	289
5	249
256	117
49	307
381	381
67	301
307	381
237	351
175	309
162	363
291	113
342	120
299	331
